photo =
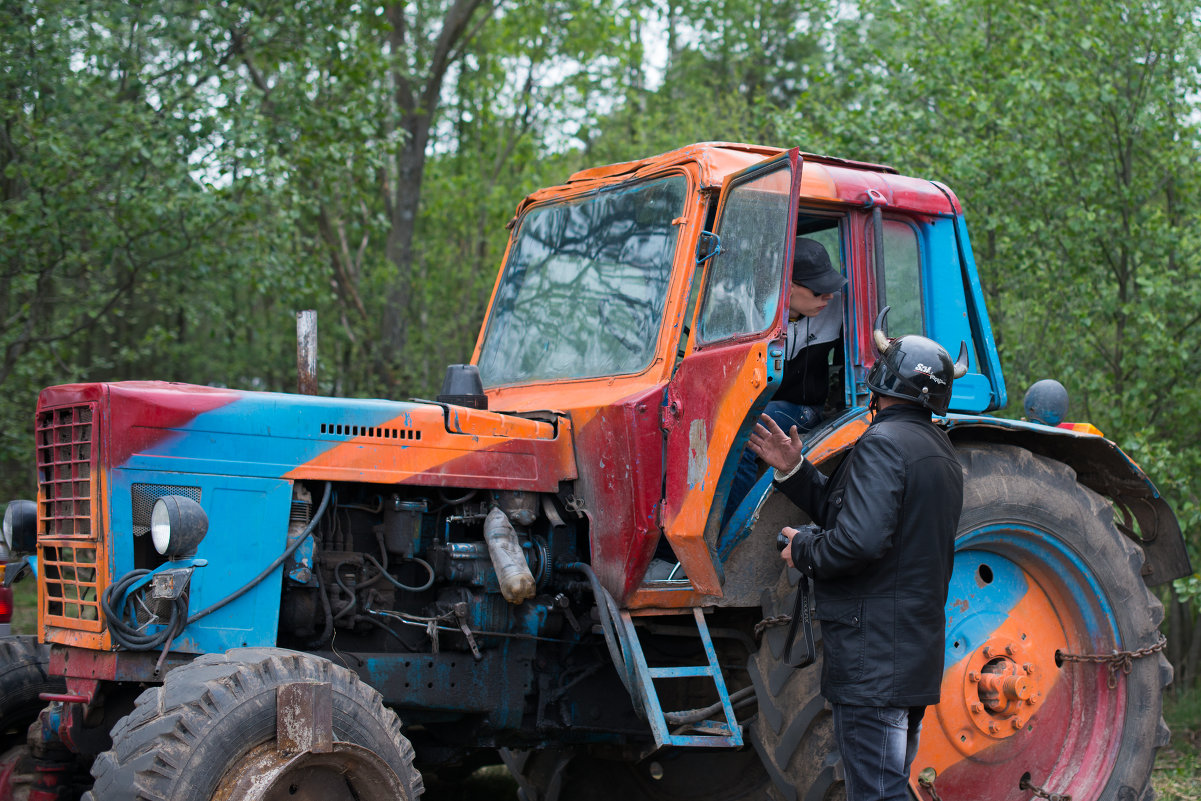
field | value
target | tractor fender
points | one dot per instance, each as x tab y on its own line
1142	513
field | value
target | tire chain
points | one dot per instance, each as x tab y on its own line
926	780
1118	659
1027	785
768	622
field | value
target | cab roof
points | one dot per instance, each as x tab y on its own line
822	177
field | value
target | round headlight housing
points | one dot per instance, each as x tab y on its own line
177	525
20	530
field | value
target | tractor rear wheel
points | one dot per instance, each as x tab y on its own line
1046	597
1042	576
209	732
794	729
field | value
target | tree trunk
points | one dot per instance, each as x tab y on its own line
417	97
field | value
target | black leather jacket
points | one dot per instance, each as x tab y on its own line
881	558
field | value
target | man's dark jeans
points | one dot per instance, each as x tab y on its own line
877	744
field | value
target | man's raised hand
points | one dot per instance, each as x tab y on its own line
779	450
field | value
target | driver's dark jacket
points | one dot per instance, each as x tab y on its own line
881	556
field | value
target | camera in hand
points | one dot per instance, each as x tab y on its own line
781	541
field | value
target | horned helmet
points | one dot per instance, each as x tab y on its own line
914	368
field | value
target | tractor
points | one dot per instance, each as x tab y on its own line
253	595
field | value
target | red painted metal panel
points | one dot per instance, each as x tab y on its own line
619	451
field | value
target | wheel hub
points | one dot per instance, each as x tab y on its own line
1001	687
347	773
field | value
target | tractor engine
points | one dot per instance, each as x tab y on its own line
415	571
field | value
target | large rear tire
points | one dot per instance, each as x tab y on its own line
1041	571
211	726
794	730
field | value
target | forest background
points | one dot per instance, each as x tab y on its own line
178	178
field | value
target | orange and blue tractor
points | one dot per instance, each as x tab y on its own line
251	595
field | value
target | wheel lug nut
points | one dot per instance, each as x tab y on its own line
993	728
987	652
976	707
1013	721
973	676
1009	650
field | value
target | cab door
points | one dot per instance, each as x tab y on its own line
730	365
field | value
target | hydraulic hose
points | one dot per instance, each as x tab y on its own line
131	637
607	609
383	571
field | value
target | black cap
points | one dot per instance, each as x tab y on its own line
811	268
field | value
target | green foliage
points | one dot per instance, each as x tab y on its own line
1177	774
177	180
1068	131
25	606
1188	590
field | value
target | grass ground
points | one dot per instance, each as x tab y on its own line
1177	774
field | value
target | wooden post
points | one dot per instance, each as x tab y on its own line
306	352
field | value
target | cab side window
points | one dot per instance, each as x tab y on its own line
903	278
743	289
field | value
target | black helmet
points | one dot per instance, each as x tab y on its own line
914	368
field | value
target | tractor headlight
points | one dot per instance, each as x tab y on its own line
21	526
177	525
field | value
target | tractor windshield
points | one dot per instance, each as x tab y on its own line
585	285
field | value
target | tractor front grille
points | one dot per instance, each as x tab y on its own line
70	542
72	588
66	467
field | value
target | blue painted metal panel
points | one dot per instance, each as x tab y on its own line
248	521
975	609
942	287
982	334
952	310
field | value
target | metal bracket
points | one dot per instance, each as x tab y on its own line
708	245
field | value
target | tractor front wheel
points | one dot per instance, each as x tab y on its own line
210	731
23	678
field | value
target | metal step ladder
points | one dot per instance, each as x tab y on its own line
711	734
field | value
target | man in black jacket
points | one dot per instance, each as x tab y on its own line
880	552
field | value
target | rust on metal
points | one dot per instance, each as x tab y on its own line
304	718
347	773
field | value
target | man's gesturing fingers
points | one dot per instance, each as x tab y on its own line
770	443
